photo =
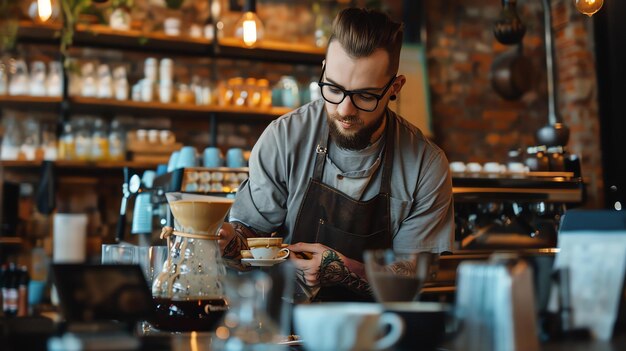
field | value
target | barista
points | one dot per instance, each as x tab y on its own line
345	174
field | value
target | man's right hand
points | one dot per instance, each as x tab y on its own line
226	233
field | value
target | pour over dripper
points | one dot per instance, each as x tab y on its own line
189	291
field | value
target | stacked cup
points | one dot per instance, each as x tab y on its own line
166	72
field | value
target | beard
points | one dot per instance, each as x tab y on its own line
357	140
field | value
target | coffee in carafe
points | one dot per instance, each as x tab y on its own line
188	293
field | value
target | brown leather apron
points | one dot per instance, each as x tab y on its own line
333	218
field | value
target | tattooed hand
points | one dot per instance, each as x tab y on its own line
233	239
327	267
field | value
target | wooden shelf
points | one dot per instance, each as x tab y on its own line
29	31
271	51
80	165
104	36
31	102
82	104
97	35
11	240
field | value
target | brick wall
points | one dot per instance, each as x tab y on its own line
471	122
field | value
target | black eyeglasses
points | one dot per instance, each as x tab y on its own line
361	99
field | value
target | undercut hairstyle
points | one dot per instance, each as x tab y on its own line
362	31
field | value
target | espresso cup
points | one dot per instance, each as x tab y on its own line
269	253
346	326
265	242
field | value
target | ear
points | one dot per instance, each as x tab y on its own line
398	84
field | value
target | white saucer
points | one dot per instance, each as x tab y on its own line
262	263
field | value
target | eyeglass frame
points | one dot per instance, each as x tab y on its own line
353	92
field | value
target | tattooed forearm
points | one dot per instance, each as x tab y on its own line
333	271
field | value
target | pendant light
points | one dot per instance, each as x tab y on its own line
249	28
589	7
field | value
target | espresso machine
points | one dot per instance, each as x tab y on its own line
512	211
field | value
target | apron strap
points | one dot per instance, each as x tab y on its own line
390	128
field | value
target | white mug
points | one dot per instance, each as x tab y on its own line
347	326
269	252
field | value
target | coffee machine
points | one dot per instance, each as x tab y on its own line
512	211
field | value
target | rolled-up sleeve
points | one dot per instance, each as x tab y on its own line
261	200
430	223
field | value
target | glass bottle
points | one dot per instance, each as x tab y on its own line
117	142
31	141
266	93
82	140
54	82
4	81
99	141
67	145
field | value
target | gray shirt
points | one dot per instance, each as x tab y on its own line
282	162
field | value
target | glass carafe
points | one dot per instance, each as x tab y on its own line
189	292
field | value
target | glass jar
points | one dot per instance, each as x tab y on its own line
99	141
266	93
67	146
288	91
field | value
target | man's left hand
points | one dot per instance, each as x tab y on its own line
309	269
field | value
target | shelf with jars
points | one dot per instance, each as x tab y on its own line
32	102
88	104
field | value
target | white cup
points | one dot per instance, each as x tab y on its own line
153	136
171	26
492	167
347	326
142	135
457	167
517	167
165	91
167	137
269	253
474	167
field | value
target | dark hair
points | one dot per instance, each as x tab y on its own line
361	31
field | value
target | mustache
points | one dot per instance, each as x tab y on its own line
348	119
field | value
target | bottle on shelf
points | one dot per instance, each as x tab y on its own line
9	291
120	83
22	292
4	79
54	82
99	141
3	291
82	140
67	144
117	142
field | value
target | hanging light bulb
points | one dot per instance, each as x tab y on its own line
249	28
44	10
589	7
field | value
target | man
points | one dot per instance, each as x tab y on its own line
344	174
